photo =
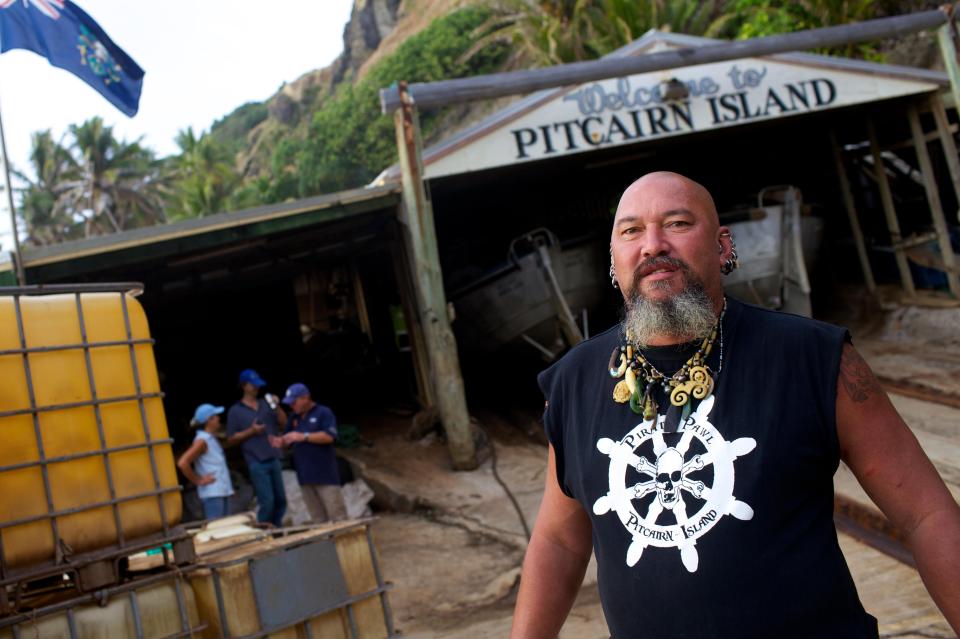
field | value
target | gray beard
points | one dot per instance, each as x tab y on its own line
688	316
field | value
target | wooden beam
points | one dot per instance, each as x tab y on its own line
948	51
933	199
430	94
360	299
890	212
908	143
948	144
418	343
419	237
850	206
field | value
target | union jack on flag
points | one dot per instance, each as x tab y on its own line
63	33
48	7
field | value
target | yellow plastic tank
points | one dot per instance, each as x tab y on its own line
158	610
86	461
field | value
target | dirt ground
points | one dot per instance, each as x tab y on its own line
452	543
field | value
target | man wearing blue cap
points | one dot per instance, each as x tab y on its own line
205	465
312	433
252	423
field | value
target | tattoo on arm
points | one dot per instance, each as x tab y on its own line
856	376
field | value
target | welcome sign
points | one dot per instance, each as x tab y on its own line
638	108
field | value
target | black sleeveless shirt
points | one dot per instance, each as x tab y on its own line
723	529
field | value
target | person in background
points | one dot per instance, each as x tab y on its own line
205	465
312	434
251	423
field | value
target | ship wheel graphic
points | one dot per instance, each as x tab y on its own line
669	478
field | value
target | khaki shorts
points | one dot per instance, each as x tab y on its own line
324	502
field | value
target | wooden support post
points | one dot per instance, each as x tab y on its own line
360	300
948	51
418	343
419	236
933	199
886	199
850	206
949	146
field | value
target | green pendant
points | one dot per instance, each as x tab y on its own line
649	407
636	403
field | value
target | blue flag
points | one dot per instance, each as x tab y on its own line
64	34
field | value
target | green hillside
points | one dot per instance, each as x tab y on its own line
324	132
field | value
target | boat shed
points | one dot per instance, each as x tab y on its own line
870	146
349	291
312	290
866	152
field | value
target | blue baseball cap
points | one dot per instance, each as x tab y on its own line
250	376
295	391
204	412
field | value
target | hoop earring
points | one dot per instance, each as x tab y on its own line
613	272
733	262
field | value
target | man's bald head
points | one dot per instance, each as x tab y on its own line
671	187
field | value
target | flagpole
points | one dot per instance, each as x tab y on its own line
18	258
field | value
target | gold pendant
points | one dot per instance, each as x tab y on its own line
621	392
699	384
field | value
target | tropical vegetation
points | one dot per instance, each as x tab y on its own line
90	183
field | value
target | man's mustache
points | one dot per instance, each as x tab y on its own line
651	264
659	261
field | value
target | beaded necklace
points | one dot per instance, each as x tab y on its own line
641	378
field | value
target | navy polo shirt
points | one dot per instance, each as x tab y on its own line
257	448
315	463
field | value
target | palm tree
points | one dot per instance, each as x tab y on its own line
539	32
113	185
49	161
619	22
203	178
548	32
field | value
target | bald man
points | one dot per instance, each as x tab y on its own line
693	447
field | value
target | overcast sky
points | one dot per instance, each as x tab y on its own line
202	59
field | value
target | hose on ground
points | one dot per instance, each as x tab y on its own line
506	489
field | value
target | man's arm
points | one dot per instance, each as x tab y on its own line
556	560
314	437
236	434
887	460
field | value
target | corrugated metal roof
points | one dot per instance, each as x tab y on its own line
333	203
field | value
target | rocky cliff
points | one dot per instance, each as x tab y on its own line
376	28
